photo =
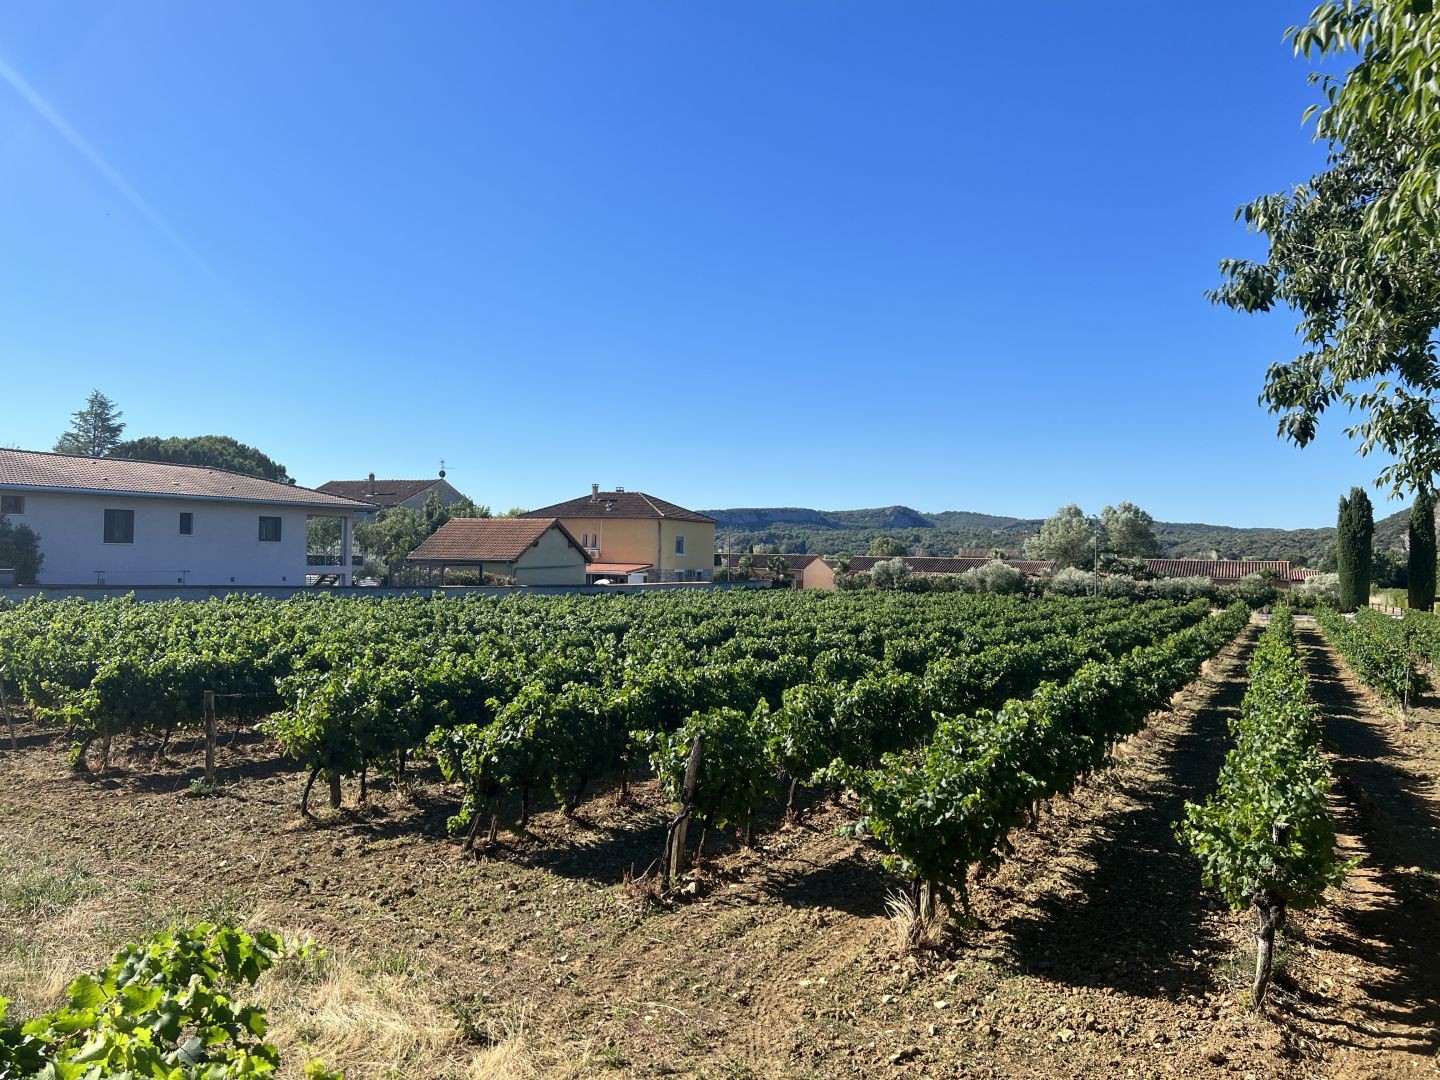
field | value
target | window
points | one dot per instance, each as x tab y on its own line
119	526
12	504
680	545
270	530
187	523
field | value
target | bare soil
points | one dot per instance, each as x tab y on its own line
1093	951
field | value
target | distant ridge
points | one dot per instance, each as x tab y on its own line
849	532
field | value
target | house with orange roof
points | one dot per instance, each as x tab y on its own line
635	537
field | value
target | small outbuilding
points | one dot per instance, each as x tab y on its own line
532	551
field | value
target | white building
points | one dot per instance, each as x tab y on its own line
106	521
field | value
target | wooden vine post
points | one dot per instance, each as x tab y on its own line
209	736
1271	911
674	855
5	704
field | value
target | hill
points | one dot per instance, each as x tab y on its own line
850	532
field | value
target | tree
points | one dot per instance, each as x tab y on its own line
1421	577
779	568
393	535
207	451
1353	250
1355	527
94	430
20	551
1129	531
1067	539
886	547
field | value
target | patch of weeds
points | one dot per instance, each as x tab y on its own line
612	1058
44	886
200	788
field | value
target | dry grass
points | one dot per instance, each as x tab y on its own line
382	1018
913	929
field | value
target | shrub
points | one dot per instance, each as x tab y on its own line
1119	585
1183	588
888	573
1320	588
20	551
994	577
1072	582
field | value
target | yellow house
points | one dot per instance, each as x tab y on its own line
632	536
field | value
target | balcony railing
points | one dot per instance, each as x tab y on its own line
333	560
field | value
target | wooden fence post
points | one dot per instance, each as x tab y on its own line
209	736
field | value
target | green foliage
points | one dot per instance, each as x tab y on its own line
735	775
94	430
886	547
1421	564
889	573
1353	552
994	577
1377	648
1352	250
163	1008
207	451
1068	539
1129	531
20	551
1276	774
950	805
393	535
1072	581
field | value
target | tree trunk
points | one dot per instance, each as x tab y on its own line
334	791
524	808
790	798
674	854
5	705
494	830
574	800
364	784
105	753
79	761
305	798
474	828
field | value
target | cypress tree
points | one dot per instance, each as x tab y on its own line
1422	552
1354	530
1345	555
1364	549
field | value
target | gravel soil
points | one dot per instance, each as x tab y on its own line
1093	951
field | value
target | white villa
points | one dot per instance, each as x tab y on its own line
107	521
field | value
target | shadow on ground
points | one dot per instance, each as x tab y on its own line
1134	920
1399	927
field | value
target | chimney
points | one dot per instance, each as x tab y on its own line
370	487
594	492
619	490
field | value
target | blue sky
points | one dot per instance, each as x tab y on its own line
821	253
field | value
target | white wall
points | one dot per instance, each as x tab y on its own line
224	549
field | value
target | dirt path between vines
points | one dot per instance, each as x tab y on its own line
1371	1000
1093	950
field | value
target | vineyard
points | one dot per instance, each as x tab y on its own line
936	730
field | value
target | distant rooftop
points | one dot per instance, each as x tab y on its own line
38	470
620	504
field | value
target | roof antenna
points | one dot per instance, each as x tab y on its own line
442	468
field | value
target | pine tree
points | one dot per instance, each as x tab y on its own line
95	430
1422	552
1355	528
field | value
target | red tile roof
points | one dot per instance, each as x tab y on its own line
927	564
37	470
486	539
382	493
620	504
1217	569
